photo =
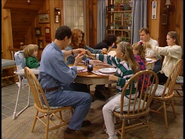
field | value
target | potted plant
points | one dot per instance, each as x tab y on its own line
118	3
122	7
116	26
112	7
112	26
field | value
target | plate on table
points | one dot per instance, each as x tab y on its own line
148	59
79	68
107	70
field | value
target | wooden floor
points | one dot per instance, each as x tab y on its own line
175	130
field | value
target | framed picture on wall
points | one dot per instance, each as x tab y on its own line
38	32
41	44
43	18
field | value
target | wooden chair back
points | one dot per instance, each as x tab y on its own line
171	81
36	89
44	111
144	92
139	90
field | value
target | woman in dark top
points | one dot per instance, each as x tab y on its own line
107	42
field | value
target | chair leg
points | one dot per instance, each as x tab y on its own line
173	108
123	129
150	130
34	121
47	126
15	114
165	114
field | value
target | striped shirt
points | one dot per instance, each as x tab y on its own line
123	72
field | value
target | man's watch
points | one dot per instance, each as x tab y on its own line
72	52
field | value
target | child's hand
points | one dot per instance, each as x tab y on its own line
78	59
78	51
146	45
82	52
104	51
89	54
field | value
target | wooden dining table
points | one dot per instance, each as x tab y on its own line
97	78
89	78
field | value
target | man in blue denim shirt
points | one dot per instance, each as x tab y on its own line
56	78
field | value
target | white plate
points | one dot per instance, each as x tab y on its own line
107	70
148	59
79	68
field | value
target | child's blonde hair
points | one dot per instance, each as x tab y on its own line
29	50
141	48
126	48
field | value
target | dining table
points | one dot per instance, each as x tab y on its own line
94	77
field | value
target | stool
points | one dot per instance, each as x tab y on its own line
7	71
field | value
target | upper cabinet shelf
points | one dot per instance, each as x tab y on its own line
125	11
119	19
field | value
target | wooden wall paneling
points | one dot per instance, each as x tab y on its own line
153	24
163	29
87	35
176	20
91	22
6	37
62	13
53	5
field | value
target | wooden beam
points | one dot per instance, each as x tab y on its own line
34	5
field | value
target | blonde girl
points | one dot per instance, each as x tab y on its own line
139	50
30	52
126	67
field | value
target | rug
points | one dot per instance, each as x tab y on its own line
20	128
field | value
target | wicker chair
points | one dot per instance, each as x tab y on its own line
165	93
139	105
43	110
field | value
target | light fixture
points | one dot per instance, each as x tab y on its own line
168	3
29	2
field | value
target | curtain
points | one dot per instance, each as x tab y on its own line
139	18
101	21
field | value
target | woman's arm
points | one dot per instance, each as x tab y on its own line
172	51
94	51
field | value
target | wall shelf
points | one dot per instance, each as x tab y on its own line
119	22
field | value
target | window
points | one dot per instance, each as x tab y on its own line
74	14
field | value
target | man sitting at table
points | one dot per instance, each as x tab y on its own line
145	38
56	79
